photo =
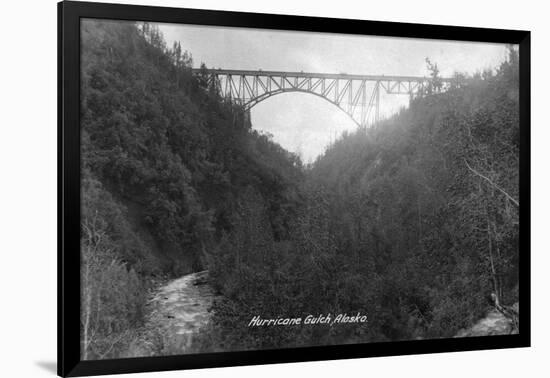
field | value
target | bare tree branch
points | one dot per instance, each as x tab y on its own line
515	202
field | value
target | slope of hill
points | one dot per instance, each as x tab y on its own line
166	164
430	196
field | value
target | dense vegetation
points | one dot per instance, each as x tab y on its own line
413	222
165	165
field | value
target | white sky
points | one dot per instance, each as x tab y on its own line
304	123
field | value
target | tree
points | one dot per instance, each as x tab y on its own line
436	83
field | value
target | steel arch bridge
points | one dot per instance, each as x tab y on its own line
357	95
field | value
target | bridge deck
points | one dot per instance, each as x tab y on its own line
343	76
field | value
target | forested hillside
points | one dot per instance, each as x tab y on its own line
413	221
430	199
166	165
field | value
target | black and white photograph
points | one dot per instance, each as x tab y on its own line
253	189
205	188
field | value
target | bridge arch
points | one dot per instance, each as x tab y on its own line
255	101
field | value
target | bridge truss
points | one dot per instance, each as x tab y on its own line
357	95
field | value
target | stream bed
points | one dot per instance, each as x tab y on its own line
177	311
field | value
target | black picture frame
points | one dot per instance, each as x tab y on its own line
69	15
